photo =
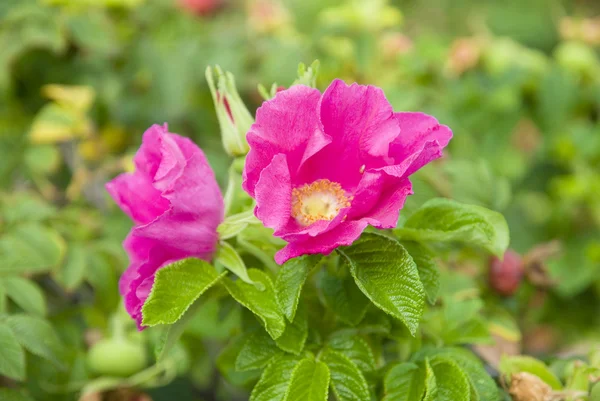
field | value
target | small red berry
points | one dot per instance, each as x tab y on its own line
505	275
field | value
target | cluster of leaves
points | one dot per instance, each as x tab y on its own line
343	321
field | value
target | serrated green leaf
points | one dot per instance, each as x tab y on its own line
451	382
290	280
354	348
226	364
32	248
174	331
521	363
72	273
26	294
385	272
257	351
428	270
275	380
295	334
430	383
228	257
176	287
12	356
310	382
483	386
444	220
260	302
404	382
343	297
347	381
38	337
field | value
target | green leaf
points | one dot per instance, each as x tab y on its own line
343	297
256	352
275	380
175	289
26	294
354	348
290	280
310	382
226	364
31	248
451	382
174	331
347	381
430	383
73	271
595	393
510	365
260	302
228	257
404	382
385	272
7	394
38	337
295	334
444	220
260	242
3	299
483	387
428	270
12	356
235	224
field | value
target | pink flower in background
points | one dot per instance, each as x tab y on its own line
176	205
322	167
201	7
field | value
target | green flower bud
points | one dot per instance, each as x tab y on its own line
116	357
234	118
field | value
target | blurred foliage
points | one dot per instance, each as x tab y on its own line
518	82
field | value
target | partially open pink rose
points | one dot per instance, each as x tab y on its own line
176	205
324	166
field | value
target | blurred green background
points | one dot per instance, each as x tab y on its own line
518	81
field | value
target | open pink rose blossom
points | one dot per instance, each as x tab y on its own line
322	167
176	205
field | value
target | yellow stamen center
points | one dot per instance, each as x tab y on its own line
319	200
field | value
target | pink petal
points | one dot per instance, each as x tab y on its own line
344	234
274	194
421	141
288	124
361	123
136	196
379	198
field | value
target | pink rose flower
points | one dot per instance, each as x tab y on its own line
176	205
322	167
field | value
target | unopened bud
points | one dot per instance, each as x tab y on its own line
505	275
234	118
528	387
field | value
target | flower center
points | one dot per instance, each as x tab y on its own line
319	200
